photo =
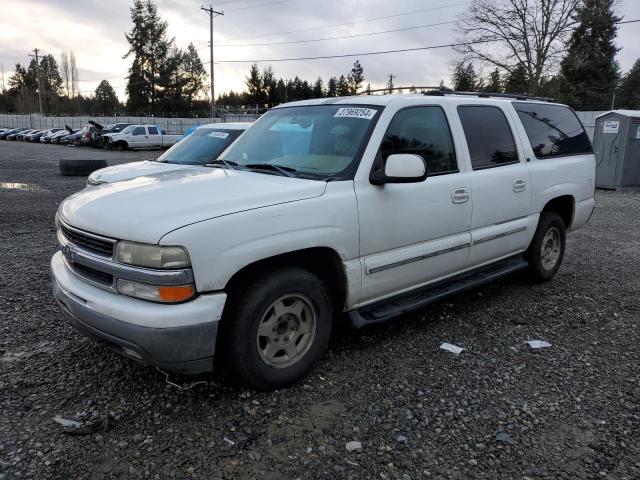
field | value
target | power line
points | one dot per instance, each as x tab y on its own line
259	6
382	52
365	20
340	37
362	54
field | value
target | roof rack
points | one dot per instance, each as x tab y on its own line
515	96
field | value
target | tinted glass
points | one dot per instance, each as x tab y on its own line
153	131
553	130
139	131
489	136
201	147
422	131
318	141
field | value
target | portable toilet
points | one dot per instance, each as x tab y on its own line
617	148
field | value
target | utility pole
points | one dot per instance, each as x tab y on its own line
391	77
211	13
35	50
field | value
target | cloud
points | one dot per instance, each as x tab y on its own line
94	30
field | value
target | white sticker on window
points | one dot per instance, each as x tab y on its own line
353	112
218	134
611	126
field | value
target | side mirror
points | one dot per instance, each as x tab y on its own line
401	168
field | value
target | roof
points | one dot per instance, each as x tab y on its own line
384	100
624	113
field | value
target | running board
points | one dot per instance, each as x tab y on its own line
406	302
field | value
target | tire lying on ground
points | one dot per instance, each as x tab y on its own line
74	167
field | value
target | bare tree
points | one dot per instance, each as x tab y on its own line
65	71
511	34
2	87
75	76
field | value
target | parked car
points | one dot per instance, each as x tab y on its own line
13	131
20	135
360	209
58	136
140	137
197	150
73	139
98	139
34	136
46	137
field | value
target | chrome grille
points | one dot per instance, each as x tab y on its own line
89	242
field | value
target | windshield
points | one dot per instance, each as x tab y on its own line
202	146
317	141
128	129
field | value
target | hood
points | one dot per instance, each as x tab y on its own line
146	208
127	171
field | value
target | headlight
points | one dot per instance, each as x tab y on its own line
91	181
166	294
152	256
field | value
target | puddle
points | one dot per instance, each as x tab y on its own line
25	187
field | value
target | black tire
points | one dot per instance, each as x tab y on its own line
541	270
121	146
70	167
238	341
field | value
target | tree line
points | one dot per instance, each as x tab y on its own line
263	88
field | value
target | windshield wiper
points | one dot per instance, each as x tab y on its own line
281	169
223	162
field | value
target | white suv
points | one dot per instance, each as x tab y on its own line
356	208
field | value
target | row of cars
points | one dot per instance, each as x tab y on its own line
120	136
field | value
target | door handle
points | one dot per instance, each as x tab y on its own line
519	185
460	195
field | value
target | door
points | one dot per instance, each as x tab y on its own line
414	233
138	137
500	184
154	138
610	135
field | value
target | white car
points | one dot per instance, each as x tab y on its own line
192	153
139	137
368	206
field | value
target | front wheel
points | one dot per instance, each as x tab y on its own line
275	329
547	248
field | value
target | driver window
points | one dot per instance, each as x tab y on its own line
422	131
139	131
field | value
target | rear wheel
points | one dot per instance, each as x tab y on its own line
276	329
546	252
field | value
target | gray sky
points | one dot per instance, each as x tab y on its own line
94	30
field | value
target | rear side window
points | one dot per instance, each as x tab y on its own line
553	130
489	136
422	131
153	131
139	131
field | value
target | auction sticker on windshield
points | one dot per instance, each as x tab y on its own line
218	134
366	113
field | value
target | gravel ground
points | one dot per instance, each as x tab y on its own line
496	411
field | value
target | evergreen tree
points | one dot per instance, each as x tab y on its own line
517	80
629	93
194	74
106	98
589	72
254	85
281	92
494	84
464	78
318	88
355	78
332	87
342	87
150	48
269	86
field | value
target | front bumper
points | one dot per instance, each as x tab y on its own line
179	337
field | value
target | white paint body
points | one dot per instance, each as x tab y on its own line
451	223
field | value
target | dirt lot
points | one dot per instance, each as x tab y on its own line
496	411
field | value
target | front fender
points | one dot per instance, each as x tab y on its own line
222	246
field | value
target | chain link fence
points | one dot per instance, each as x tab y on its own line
169	124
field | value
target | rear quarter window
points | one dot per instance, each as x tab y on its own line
553	130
